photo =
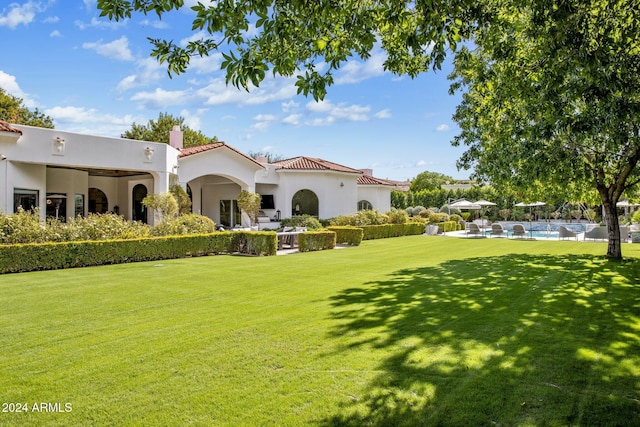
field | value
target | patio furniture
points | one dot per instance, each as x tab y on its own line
565	233
625	233
518	231
497	230
473	229
598	233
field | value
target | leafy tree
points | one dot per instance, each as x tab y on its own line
250	203
310	39
271	157
158	131
163	203
182	198
429	181
12	110
552	101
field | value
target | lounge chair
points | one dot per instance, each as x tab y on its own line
518	230
474	229
625	233
598	233
564	233
497	230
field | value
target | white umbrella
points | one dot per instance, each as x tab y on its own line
464	204
530	205
482	204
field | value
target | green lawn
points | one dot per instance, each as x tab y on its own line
406	331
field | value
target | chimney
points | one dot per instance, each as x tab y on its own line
262	159
175	138
367	172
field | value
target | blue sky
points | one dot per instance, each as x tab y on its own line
95	76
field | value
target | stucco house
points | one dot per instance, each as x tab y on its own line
68	174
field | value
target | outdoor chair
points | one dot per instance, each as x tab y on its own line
497	230
518	231
474	229
564	233
598	233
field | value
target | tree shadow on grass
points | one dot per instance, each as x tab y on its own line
510	340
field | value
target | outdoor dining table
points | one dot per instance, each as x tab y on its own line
289	237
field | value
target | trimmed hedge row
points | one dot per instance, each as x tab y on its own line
392	230
316	240
51	256
347	235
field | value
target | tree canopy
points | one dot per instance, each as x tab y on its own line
13	110
429	181
158	131
310	39
551	101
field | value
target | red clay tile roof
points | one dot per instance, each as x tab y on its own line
6	127
189	151
315	164
370	180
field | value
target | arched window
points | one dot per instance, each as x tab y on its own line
98	202
304	202
139	211
365	205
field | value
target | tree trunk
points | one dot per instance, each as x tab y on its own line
614	250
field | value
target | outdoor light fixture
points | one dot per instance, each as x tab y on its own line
3	157
58	145
341	184
148	152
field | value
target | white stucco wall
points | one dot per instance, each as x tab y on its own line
378	196
337	192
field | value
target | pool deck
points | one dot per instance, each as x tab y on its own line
554	236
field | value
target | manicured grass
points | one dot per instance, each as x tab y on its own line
406	331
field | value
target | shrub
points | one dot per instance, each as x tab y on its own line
106	227
308	221
397	216
348	235
185	224
364	217
21	227
438	217
316	241
455	218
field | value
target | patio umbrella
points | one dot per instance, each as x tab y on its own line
464	204
530	205
483	203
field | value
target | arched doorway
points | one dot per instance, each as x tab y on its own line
98	202
139	211
304	202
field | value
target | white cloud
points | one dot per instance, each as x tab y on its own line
10	85
161	98
149	71
292	119
20	14
159	25
353	113
383	114
356	71
117	49
51	20
263	122
193	120
289	106
55	33
91	121
97	23
443	127
272	89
